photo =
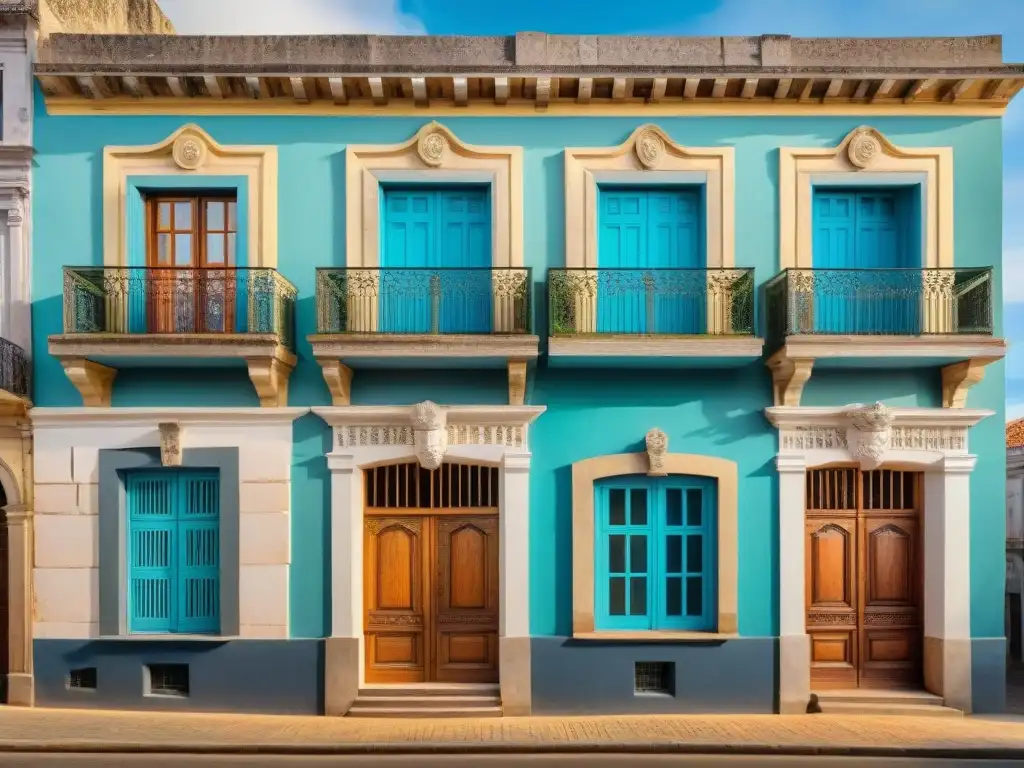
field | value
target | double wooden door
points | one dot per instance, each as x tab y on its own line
863	578
431	574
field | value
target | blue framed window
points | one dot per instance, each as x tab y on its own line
656	564
173	551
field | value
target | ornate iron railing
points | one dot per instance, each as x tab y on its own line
172	300
879	302
425	300
664	302
14	369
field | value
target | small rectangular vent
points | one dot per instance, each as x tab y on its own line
83	679
167	680
654	677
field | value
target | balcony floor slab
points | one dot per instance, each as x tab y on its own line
653	351
925	351
425	350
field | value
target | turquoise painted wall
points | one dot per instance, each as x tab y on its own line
589	412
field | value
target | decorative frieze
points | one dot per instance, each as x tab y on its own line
952	439
812	438
509	435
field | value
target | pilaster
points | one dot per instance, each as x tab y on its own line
20	680
794	643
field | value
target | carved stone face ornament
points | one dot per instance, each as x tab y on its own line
657	447
869	434
430	434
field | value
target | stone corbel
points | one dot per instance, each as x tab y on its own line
516	382
960	377
93	381
338	377
788	377
170	444
657	447
430	433
269	376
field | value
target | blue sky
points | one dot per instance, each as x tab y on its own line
869	18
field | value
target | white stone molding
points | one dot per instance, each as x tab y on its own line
367	436
15	247
932	440
657	446
67	442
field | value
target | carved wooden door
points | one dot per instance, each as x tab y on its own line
466	599
431	574
863	578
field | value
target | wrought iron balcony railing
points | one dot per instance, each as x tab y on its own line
425	300
879	302
662	302
173	300
14	372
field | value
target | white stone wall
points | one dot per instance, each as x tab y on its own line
67	445
1015	506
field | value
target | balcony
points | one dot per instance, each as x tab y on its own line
117	317
652	317
425	317
14	379
881	318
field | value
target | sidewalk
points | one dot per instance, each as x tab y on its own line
106	731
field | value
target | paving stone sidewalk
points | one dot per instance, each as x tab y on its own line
109	731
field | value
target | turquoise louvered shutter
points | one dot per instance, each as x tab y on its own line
198	599
151	498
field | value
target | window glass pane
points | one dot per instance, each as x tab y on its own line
163	218
183	215
616	506
694	596
694	554
163	249
694	500
638	596
638	554
232	226
616	554
674	506
674	554
617	596
674	596
215	249
182	250
214	216
638	506
231	250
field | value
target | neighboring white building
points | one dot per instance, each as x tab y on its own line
1015	538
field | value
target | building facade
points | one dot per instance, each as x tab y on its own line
1015	539
550	385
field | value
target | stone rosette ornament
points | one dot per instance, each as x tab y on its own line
869	434
657	447
430	434
189	152
864	148
432	148
650	149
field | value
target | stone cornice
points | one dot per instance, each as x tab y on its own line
827	416
402	415
121	417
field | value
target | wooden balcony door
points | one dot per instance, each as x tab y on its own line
431	574
191	282
864	578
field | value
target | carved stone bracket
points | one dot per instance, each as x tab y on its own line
958	378
516	382
93	381
657	447
430	433
269	376
170	444
788	377
869	435
339	381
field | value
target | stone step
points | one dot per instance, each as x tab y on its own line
869	696
425	702
430	689
869	708
358	710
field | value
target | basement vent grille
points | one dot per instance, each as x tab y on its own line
654	677
167	680
83	679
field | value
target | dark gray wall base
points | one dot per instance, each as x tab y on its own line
268	676
988	675
586	677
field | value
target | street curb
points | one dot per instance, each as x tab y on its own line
491	748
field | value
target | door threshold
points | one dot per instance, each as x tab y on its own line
431	686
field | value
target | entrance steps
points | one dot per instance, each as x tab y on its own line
861	701
428	700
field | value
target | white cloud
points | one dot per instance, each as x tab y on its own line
1014	411
289	17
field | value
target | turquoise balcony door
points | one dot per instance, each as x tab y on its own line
646	237
435	260
871	239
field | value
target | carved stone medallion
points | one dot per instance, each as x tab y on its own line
188	152
657	447
864	149
650	149
430	434
869	435
170	444
432	148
